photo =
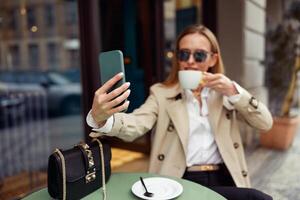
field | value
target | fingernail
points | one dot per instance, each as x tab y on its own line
128	84
121	74
128	91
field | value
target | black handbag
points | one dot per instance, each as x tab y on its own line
77	172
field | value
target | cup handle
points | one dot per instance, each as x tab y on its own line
201	81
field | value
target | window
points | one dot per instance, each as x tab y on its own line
71	13
33	58
74	57
49	15
44	106
14	52
31	18
13	19
53	56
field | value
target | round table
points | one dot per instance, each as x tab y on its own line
119	188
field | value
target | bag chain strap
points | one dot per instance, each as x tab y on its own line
102	169
63	165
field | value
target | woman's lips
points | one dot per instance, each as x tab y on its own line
191	69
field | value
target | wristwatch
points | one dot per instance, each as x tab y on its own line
253	102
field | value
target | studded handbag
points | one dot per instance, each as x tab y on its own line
77	172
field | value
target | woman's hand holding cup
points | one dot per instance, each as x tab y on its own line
219	83
106	103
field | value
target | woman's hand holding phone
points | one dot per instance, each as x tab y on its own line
106	103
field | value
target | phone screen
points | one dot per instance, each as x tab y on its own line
111	63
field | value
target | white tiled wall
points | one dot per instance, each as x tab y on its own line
254	42
255	17
261	3
254	45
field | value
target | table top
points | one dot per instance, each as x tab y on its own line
119	187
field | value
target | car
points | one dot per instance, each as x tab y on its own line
72	74
20	103
63	96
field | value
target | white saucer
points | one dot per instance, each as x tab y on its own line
162	188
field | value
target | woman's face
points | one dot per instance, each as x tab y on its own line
195	53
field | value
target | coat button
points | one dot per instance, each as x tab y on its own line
228	115
170	127
244	173
161	157
236	145
253	102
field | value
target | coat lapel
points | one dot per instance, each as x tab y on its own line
178	114
177	111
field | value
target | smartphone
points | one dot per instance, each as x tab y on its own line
111	63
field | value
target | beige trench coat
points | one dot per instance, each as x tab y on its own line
165	110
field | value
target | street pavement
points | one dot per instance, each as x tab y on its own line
276	173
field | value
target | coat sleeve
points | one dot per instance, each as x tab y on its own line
129	126
254	112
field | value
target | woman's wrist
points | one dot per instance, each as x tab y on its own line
233	90
101	124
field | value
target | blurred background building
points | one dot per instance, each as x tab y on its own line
39	35
49	54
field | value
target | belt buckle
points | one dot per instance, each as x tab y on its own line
208	168
204	168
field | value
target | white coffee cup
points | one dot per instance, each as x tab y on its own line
190	79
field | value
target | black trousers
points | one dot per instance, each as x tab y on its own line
221	182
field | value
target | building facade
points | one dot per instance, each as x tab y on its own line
39	35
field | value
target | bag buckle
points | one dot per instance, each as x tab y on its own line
91	172
90	177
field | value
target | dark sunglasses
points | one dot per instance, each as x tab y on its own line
199	55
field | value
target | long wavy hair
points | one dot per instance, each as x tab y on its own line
172	78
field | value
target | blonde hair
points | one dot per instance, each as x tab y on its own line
202	30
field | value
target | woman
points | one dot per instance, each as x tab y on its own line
196	131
